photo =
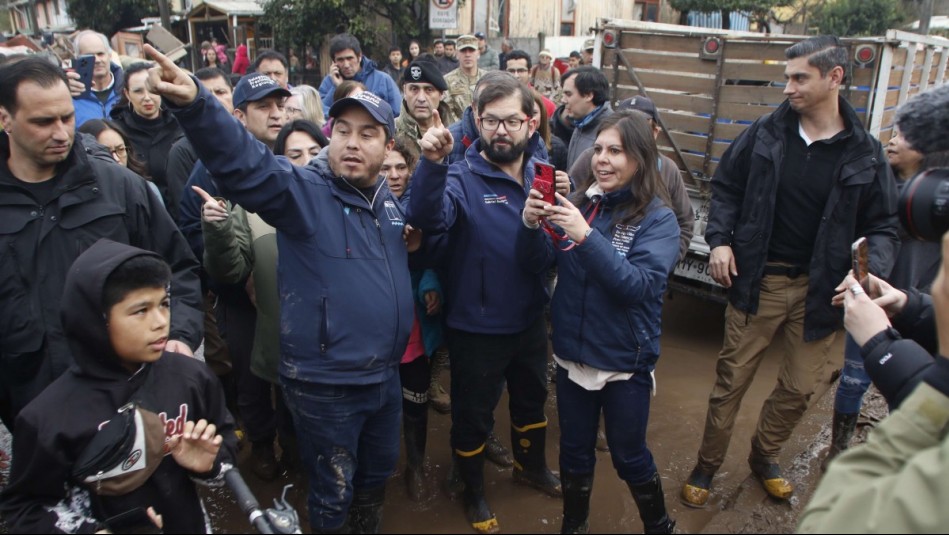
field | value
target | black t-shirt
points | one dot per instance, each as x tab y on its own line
807	177
42	192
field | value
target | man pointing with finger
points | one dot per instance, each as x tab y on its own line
494	307
346	296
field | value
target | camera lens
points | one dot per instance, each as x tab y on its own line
924	205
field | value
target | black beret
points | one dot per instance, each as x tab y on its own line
424	72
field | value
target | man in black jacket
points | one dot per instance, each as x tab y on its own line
56	201
789	197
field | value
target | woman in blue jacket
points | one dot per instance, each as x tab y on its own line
615	242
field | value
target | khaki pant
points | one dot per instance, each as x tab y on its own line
747	337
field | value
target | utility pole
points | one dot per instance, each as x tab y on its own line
925	16
165	14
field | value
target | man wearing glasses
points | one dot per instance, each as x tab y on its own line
349	64
495	307
518	63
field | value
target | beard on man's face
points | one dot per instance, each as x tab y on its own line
505	154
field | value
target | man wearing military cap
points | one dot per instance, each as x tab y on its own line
423	91
461	81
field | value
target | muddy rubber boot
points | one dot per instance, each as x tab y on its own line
415	427
697	488
530	461
264	460
771	477
652	506
576	502
470	465
365	513
437	397
497	453
843	427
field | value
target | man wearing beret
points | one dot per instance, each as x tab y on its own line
423	89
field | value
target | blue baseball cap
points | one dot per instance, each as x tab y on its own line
254	87
377	107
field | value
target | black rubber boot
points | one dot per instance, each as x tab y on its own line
264	460
530	461
365	513
652	506
470	467
415	428
576	502
843	428
497	453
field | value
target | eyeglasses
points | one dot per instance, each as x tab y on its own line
118	150
511	124
516	70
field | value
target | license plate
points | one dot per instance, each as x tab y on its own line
695	269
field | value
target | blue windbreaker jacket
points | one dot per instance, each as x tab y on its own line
607	310
376	82
346	304
479	206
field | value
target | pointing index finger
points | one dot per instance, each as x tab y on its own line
438	119
204	195
161	59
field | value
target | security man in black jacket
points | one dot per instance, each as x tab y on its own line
56	200
789	197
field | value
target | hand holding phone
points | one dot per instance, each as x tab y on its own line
544	181
84	67
860	256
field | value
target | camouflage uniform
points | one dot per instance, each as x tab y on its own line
460	89
405	124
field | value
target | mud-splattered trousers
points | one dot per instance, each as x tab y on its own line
349	440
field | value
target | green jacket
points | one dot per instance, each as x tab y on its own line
231	251
898	482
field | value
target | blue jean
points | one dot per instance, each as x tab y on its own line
349	441
854	380
625	407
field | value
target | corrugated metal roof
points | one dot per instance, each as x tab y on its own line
235	7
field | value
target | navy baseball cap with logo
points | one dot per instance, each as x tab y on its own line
254	87
640	103
377	107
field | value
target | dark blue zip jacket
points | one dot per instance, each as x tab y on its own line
346	304
479	206
607	310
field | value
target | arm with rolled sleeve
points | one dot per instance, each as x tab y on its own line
643	271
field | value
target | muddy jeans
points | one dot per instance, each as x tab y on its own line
747	336
349	439
854	380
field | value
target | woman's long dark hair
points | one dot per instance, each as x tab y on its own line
640	146
97	126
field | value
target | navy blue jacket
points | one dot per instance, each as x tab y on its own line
479	206
346	304
607	310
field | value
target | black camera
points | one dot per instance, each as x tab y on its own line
924	204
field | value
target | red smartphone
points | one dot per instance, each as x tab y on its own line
860	256
544	181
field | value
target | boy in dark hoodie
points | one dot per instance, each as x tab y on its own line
115	312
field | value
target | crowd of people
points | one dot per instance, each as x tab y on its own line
328	252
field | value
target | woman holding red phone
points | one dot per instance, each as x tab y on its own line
615	242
